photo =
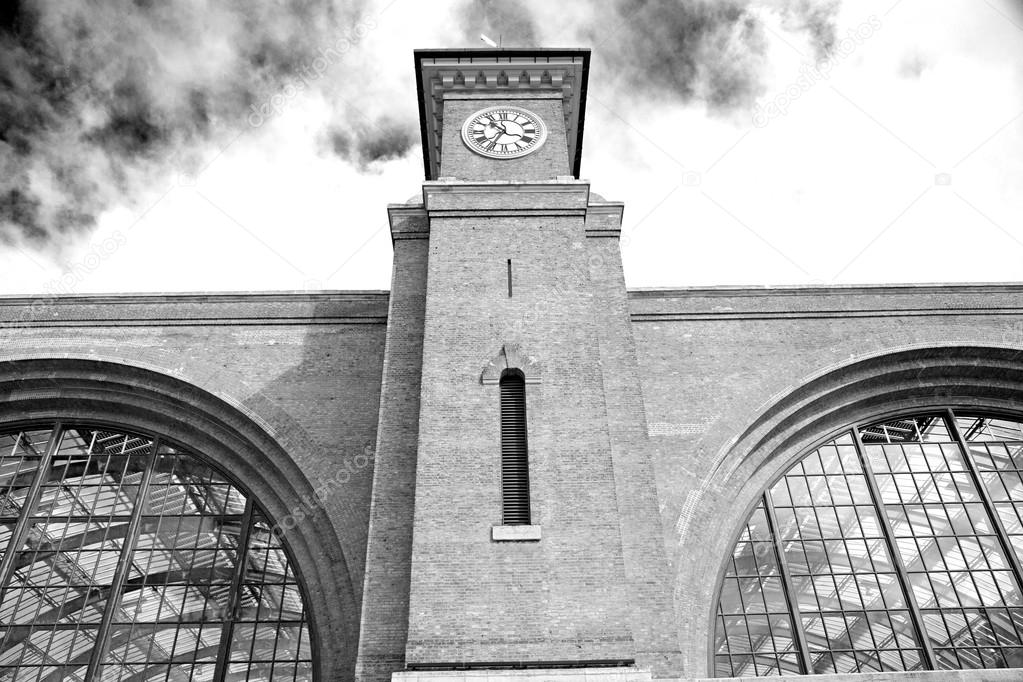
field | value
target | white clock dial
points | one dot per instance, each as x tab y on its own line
504	132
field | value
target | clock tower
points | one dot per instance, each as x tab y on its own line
514	523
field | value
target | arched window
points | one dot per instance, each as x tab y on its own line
894	546
514	450
127	557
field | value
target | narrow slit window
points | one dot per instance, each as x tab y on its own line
509	279
514	451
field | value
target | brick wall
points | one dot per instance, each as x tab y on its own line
473	599
631	675
737	383
384	624
546	163
714	370
304	369
652	617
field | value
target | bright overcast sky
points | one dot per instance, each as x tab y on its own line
770	148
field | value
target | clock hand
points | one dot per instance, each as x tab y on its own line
501	127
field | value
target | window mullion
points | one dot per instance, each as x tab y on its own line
989	506
17	540
227	629
893	549
99	652
790	593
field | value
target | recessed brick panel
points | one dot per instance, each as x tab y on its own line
546	163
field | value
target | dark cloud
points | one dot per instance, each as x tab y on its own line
705	49
817	19
712	50
98	98
709	50
20	209
509	21
9	13
369	142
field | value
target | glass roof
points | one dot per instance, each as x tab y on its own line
127	558
896	546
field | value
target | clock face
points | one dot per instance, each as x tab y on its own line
504	132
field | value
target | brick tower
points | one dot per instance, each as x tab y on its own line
514	521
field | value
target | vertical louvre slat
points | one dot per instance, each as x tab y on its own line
514	453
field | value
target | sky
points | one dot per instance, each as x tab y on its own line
238	145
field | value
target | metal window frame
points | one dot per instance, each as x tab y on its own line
985	497
798	634
227	629
900	566
929	657
17	539
116	593
101	647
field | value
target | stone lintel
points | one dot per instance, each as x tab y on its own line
515	533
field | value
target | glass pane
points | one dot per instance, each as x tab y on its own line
949	547
754	615
981	428
168	580
832	546
854	613
999	459
65	566
929	429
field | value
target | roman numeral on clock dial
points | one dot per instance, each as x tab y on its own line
499	133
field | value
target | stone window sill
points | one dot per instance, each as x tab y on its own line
515	533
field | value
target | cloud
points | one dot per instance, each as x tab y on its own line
913	65
510	21
368	141
713	51
101	102
97	99
817	18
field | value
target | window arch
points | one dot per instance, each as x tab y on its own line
128	557
896	545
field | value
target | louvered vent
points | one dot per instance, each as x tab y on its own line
514	457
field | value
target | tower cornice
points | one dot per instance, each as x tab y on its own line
500	73
447	198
